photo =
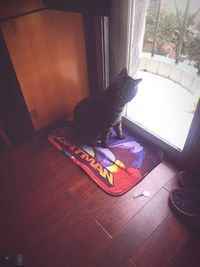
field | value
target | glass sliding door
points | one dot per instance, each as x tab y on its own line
169	93
160	37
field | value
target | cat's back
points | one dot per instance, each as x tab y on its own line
90	108
87	104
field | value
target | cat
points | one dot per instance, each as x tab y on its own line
95	116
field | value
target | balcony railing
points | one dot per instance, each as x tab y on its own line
179	39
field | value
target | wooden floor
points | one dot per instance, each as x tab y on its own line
54	214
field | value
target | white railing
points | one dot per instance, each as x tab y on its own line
180	73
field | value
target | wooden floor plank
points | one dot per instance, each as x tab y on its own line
83	187
78	184
70	248
54	214
171	184
18	163
162	244
88	210
38	212
138	229
49	156
131	264
117	215
187	255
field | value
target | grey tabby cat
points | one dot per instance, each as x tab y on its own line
95	116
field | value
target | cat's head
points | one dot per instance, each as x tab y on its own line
125	86
129	89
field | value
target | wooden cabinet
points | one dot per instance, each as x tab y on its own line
47	49
10	8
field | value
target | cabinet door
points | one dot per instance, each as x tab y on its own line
47	50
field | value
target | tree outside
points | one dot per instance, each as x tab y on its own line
168	34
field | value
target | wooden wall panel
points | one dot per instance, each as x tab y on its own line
48	53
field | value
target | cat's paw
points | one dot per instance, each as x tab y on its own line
104	145
122	136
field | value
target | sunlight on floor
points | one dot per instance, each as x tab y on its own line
162	107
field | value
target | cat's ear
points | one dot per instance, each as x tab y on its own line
137	81
124	71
